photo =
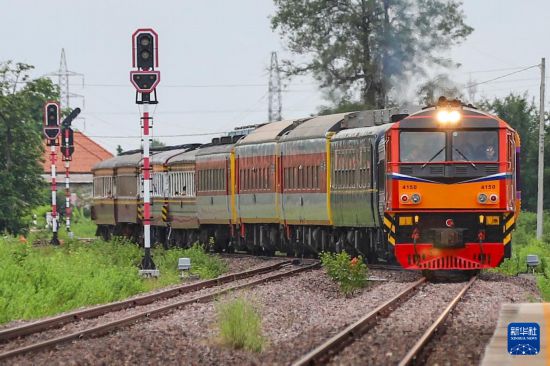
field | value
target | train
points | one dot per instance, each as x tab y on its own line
437	189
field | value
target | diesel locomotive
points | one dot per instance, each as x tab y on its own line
435	189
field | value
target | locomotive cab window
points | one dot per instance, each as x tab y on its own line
475	145
422	147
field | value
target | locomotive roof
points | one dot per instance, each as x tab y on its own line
315	127
472	118
270	131
183	157
362	131
119	161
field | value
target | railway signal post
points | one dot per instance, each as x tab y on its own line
67	149
145	79
52	130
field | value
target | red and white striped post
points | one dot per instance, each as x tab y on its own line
55	225
146	179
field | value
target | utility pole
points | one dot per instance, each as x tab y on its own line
275	100
145	79
540	191
64	75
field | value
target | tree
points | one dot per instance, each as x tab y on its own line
21	103
365	47
523	116
157	143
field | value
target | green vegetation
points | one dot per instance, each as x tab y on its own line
240	325
21	103
45	280
524	243
351	274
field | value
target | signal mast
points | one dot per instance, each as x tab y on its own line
145	79
52	131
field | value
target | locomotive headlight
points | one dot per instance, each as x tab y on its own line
482	198
454	116
442	116
415	198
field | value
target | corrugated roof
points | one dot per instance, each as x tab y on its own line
186	157
315	127
361	131
161	157
215	149
87	153
269	132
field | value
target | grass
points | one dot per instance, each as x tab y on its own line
240	325
46	280
524	242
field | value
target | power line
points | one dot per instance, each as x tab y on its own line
502	76
492	70
161	136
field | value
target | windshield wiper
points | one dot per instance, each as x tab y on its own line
433	157
464	156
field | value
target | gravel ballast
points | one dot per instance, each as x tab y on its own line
298	314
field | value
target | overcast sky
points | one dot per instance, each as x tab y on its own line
214	59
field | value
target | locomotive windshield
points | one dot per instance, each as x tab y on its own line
475	145
422	147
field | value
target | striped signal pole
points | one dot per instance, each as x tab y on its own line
55	225
67	159
52	130
67	149
145	79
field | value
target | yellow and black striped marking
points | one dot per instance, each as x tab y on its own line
140	212
165	213
389	227
509	226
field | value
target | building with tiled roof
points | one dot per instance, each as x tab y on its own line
87	153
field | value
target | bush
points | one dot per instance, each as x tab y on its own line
351	274
524	243
240	325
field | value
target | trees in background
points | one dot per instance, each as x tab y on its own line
21	105
361	50
523	116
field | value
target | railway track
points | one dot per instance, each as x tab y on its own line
282	269
324	352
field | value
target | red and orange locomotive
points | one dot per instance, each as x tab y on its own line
452	195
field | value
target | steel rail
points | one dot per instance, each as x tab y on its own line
412	356
323	352
57	321
157	312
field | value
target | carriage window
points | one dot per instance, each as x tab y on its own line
475	145
421	147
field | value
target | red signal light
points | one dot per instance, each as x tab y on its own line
450	223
